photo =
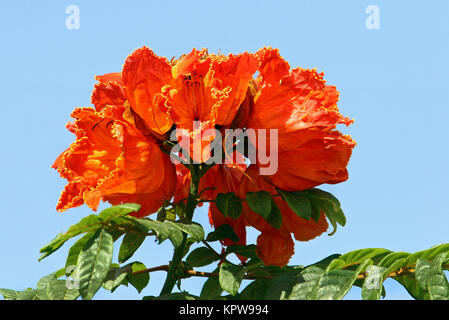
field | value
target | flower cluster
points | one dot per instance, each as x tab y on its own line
120	153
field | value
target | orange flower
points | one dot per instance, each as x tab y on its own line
112	160
209	87
117	156
144	76
304	111
310	151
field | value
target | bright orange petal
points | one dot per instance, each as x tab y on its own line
275	248
234	72
210	87
321	160
144	74
112	161
114	76
108	92
304	110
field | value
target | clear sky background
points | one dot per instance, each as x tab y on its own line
393	82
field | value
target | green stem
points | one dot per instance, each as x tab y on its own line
195	173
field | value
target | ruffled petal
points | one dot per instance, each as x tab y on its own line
109	91
234	72
304	110
209	87
320	160
144	75
188	98
114	76
112	161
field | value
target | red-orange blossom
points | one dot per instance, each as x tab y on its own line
118	153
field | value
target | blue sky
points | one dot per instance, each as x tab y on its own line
393	82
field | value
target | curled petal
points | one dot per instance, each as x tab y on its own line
114	76
108	93
297	103
304	110
71	196
272	66
144	74
320	160
210	87
234	72
92	156
189	98
112	161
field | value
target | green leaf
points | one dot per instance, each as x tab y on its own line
116	276
306	284
229	204
392	257
248	251
116	215
173	296
428	254
202	257
298	202
57	290
139	281
327	203
119	211
335	284
87	224
430	277
8	294
42	285
93	263
163	230
316	209
223	232
28	294
75	249
275	217
281	286
376	275
211	289
359	256
131	242
326	261
195	230
188	244
259	202
256	290
230	277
